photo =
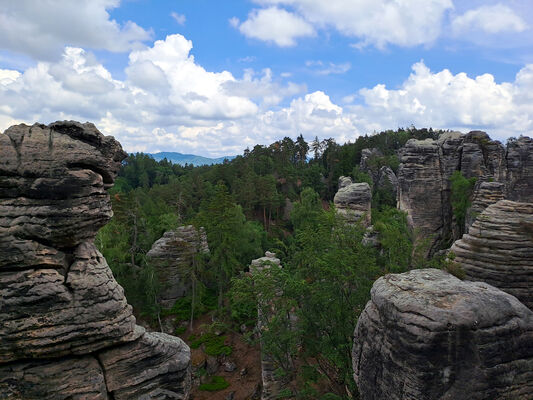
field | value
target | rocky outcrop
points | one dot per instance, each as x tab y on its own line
272	383
485	194
519	171
354	201
173	256
62	312
427	335
499	249
427	165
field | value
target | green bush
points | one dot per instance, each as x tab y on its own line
217	383
214	345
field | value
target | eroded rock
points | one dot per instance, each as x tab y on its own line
172	256
427	335
354	201
156	366
498	249
60	306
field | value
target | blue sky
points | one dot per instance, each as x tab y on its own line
214	77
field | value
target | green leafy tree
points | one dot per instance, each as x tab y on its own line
461	196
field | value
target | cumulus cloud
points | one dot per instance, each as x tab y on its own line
445	100
274	25
491	19
167	101
41	29
373	22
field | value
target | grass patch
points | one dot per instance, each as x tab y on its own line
217	383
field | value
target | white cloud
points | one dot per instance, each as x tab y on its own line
374	22
490	19
41	29
444	100
329	68
274	25
169	102
179	18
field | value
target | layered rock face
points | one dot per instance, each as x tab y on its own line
383	177
499	249
427	335
354	201
62	312
427	165
485	194
172	255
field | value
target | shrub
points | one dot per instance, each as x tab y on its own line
217	383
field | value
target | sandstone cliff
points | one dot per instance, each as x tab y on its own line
427	335
499	249
67	331
427	165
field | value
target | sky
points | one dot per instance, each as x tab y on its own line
212	77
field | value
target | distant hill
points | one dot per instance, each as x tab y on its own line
182	159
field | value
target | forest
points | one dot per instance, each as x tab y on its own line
274	198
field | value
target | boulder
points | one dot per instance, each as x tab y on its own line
60	307
427	335
354	202
172	256
498	249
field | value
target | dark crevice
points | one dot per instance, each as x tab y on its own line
109	393
106	176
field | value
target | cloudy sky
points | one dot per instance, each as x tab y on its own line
213	77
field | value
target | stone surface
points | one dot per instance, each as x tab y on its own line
485	194
46	314
424	188
172	256
68	379
388	181
427	335
60	307
156	366
519	176
354	201
499	249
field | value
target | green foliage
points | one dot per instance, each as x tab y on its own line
215	384
360	176
461	194
182	307
214	344
394	238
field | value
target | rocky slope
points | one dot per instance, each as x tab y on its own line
428	335
67	330
427	165
499	249
173	256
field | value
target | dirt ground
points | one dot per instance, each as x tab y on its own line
246	358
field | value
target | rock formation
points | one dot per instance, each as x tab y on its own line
67	330
485	194
427	335
427	165
383	178
499	249
354	201
272	384
172	255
